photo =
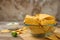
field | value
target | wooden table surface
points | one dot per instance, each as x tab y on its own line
26	36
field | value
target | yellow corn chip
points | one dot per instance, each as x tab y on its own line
46	28
45	16
31	20
5	31
47	22
52	37
36	29
45	19
57	34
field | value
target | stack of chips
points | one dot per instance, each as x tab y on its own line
41	24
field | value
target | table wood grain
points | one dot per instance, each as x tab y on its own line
26	36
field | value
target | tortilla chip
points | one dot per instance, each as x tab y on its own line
31	20
36	29
52	37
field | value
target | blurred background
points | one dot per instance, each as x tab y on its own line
15	10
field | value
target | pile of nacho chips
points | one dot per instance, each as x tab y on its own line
41	24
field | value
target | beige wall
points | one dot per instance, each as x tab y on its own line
12	9
58	12
16	9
